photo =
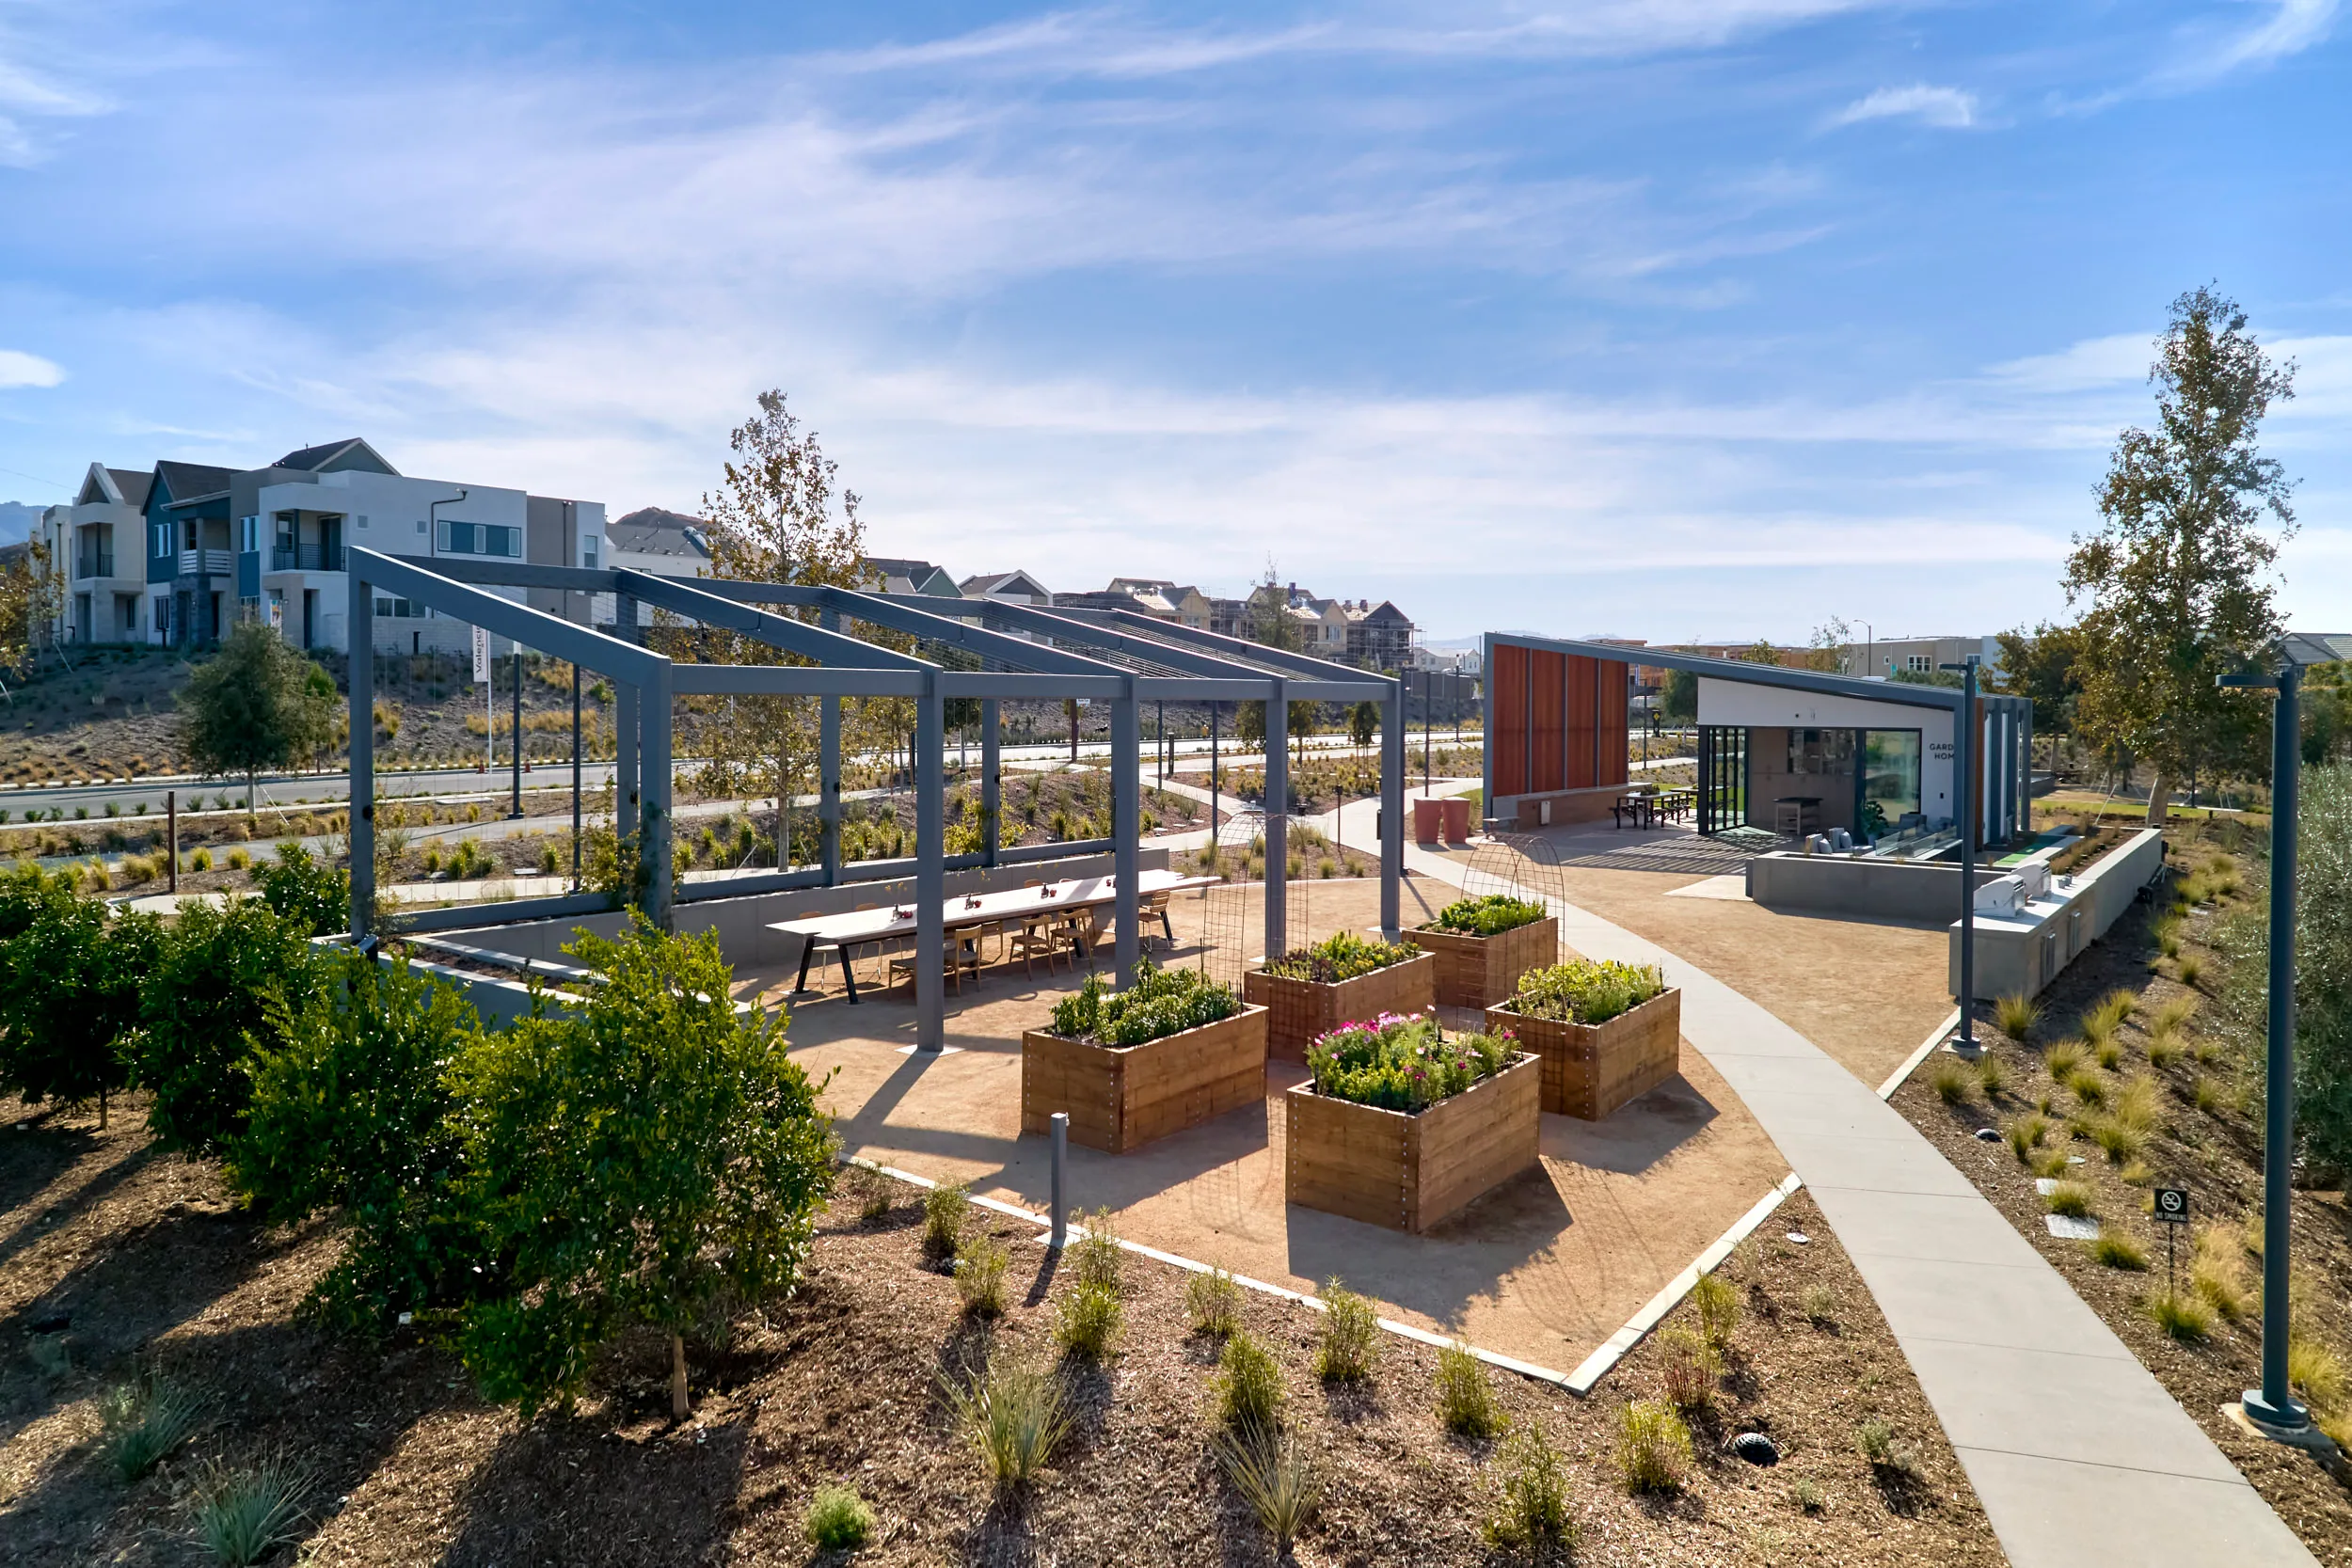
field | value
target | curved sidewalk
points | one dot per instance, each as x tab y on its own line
2078	1453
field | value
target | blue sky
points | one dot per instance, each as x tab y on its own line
1693	318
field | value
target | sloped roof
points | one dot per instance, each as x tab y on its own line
188	482
652	530
134	484
335	456
984	583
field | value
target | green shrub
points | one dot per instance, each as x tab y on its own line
1213	1303
1689	1371
219	973
1088	1320
1161	1002
1350	1339
310	895
352	1111
1249	1385
1402	1064
69	980
142	1421
1876	1442
1653	1446
838	1520
1489	916
242	1516
1587	990
945	1208
1531	1512
1718	1302
638	1163
981	1264
1343	957
1096	1255
1465	1396
1013	1414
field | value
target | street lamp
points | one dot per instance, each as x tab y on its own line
1963	762
2273	1410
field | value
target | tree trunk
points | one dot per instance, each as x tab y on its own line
101	1109
2159	798
678	1409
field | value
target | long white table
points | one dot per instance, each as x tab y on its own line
864	927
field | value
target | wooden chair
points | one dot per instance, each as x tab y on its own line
1037	935
963	953
1154	907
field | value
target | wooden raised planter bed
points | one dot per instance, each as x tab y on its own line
1409	1172
1591	1068
1121	1097
1299	1010
1478	972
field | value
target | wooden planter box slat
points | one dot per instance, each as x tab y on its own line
1119	1098
1478	972
1298	1010
1591	1068
1411	1172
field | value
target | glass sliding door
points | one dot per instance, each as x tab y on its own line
1722	777
1890	779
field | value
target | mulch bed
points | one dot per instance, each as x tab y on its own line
842	1383
2216	1154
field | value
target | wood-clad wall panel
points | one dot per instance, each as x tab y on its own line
1610	745
1510	708
1581	673
1545	737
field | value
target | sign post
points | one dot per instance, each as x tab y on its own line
2169	1207
489	709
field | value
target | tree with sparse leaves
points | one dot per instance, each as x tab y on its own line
2179	577
29	597
256	703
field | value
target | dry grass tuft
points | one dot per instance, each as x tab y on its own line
1653	1446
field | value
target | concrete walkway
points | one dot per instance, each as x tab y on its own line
2076	1451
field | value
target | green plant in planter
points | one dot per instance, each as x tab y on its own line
1587	990
1485	917
1162	1002
1343	957
1401	1063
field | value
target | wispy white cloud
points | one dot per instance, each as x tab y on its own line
2292	26
1946	108
19	369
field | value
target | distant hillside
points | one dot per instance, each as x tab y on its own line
16	520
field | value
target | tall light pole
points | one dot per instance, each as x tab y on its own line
1963	763
2273	1409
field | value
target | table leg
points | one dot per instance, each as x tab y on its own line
808	950
848	978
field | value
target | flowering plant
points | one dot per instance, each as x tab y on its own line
1401	1062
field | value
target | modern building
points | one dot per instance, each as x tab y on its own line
903	575
1380	635
93	543
1015	587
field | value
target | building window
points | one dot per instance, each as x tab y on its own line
588	552
1917	663
400	610
479	539
364	519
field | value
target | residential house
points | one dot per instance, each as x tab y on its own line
94	544
901	576
1379	637
659	543
1014	587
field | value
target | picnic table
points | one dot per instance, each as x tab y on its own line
867	927
1646	803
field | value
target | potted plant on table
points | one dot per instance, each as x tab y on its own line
1308	991
1400	1125
1606	1032
1172	1050
1483	945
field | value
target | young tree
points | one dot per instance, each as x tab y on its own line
256	703
1681	697
1271	624
29	596
1364	723
69	990
214	981
654	1156
1832	648
2179	575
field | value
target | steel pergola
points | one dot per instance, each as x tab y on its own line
1117	656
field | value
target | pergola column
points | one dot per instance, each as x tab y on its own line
1126	821
992	787
626	723
2024	771
361	619
931	870
1391	811
1278	806
654	835
829	770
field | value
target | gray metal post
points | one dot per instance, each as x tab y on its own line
625	727
991	786
1278	806
653	839
171	834
361	669
2025	775
1217	711
2274	1403
516	809
1392	812
1967	814
1487	722
1061	1121
1126	821
829	772
574	777
931	872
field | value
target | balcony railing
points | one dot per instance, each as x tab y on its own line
214	563
101	564
306	558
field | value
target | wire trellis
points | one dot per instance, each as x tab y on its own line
1519	865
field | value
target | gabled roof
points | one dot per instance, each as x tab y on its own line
128	486
182	482
905	575
1015	581
652	530
336	457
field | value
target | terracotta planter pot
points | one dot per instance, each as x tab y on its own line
1302	1009
1478	972
1121	1098
1591	1068
1411	1172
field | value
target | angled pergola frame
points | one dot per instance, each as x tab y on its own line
1023	654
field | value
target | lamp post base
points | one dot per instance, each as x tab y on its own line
2289	1423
